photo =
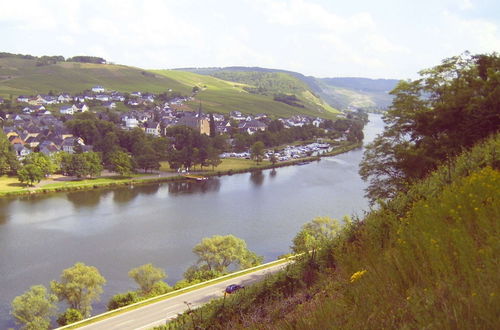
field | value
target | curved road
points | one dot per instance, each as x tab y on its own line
160	312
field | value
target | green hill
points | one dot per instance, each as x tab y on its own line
340	93
426	259
23	77
240	94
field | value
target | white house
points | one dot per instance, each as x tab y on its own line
102	97
68	109
98	89
82	107
131	122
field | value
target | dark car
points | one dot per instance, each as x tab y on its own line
233	288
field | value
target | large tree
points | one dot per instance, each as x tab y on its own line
257	151
315	233
80	285
451	107
34	308
217	253
147	276
8	159
42	161
30	174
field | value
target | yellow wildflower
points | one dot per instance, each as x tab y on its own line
357	275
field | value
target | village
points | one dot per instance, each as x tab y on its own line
37	124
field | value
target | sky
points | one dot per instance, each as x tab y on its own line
323	38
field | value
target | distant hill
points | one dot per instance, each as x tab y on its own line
253	93
340	93
20	76
362	93
30	75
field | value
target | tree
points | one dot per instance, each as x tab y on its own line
30	174
213	158
257	151
71	315
81	165
42	161
273	159
80	285
217	253
120	162
451	107
34	308
146	276
314	234
8	159
122	299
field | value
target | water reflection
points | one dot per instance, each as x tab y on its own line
257	178
123	196
86	198
148	189
273	173
4	207
191	187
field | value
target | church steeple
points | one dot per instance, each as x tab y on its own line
200	111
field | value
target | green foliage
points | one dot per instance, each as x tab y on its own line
80	285
71	315
81	164
8	159
453	106
146	276
34	308
257	151
30	174
87	59
217	253
315	234
120	162
123	299
425	259
42	161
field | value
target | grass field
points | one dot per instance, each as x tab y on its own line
10	184
223	97
20	76
228	164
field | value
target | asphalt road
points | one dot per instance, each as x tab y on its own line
158	313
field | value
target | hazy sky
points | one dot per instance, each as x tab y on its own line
324	38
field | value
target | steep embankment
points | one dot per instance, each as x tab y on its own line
23	77
426	259
243	95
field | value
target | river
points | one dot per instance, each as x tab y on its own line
119	229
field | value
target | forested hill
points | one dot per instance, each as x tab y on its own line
340	93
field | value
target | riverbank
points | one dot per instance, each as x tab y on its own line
9	186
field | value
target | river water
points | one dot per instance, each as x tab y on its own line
119	229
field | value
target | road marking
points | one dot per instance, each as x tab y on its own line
152	324
120	325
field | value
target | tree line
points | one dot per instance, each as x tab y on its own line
449	108
82	285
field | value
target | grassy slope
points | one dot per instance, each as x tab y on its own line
20	76
225	96
427	259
